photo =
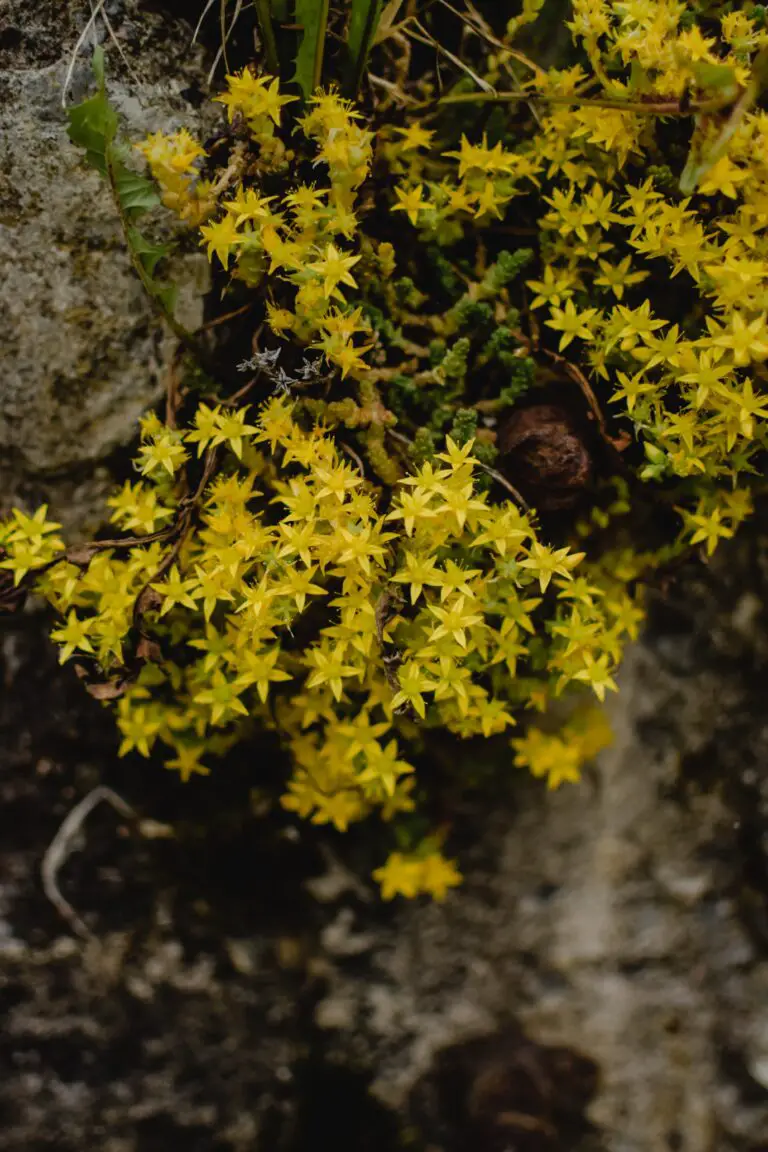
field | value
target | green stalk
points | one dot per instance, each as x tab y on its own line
264	18
645	108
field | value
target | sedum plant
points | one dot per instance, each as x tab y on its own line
473	422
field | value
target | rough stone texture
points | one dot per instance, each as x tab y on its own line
185	1023
176	1026
82	352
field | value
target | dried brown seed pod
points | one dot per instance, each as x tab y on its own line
544	453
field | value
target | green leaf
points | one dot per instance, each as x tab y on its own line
97	65
93	126
718	77
148	253
264	14
167	292
312	15
93	123
363	23
137	194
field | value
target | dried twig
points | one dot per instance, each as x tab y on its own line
111	33
617	443
226	317
394	91
76	50
505	484
424	37
62	846
203	15
226	32
351	452
96	11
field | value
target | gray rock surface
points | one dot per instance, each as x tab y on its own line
82	352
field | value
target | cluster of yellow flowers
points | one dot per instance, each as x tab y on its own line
300	240
559	756
271	581
432	605
691	385
172	160
416	873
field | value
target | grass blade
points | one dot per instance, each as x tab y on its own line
312	16
363	23
264	17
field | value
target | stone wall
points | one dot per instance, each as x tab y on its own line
82	351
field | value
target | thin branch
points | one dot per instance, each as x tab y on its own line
111	33
203	15
501	479
62	846
76	50
241	393
618	444
225	36
351	452
395	92
426	38
481	27
226	317
483	30
484	467
223	31
642	107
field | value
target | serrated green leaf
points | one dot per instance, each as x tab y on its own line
312	16
137	194
93	126
364	19
167	292
148	253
